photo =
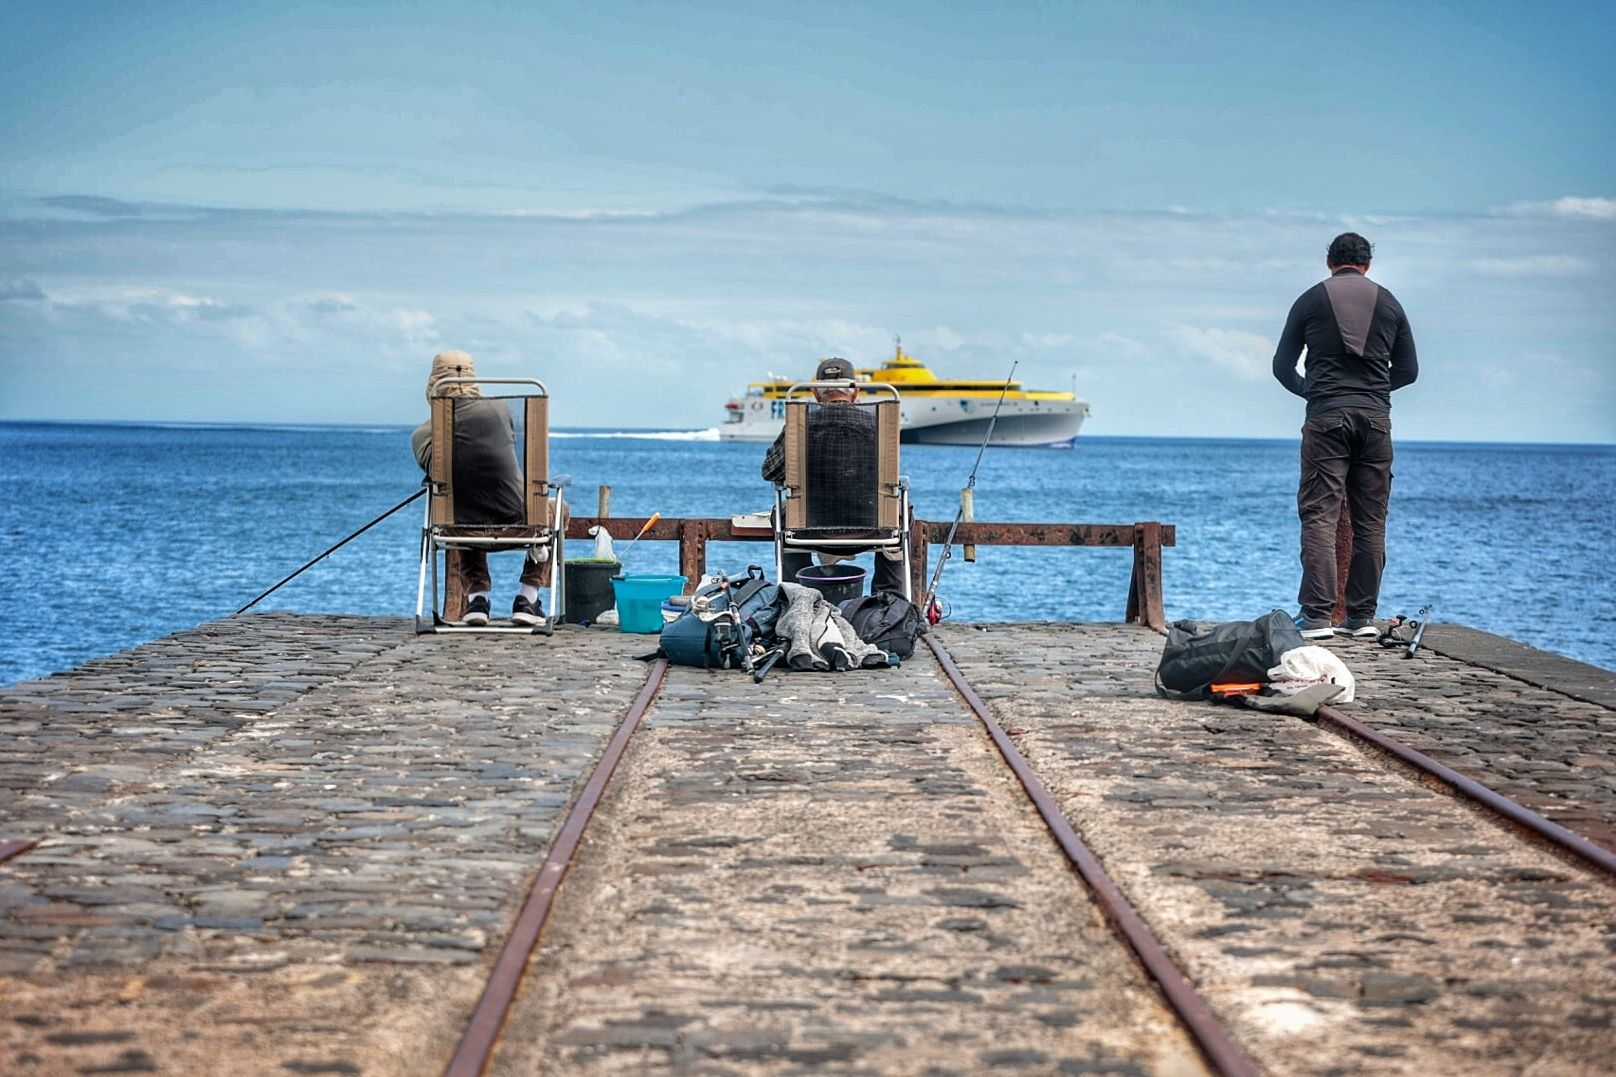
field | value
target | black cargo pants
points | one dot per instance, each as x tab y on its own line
1346	458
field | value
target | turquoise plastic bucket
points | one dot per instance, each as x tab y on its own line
639	600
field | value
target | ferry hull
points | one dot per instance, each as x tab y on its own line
1023	424
1014	431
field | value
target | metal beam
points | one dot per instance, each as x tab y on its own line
1146	539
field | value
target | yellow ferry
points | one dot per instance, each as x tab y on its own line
934	411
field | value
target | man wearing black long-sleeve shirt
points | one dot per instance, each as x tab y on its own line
1359	348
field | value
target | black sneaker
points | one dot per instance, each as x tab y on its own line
1359	628
1314	627
524	612
476	612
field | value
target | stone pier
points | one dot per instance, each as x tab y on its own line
291	844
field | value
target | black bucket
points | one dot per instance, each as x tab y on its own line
588	590
838	582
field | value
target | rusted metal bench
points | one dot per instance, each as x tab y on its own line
1147	538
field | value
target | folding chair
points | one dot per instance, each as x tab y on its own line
543	526
800	520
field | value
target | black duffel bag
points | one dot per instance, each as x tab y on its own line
887	620
1199	654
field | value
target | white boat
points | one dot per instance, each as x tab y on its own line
933	411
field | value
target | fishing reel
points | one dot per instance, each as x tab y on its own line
1406	632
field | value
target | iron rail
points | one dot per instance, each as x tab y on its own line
1567	841
1222	1053
476	1046
14	847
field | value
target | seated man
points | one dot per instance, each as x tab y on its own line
841	473
487	484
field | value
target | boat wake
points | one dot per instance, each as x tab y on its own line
710	434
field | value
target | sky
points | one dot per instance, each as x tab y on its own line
278	212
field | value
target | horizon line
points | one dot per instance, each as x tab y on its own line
378	427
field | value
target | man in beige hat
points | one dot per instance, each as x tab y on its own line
487	483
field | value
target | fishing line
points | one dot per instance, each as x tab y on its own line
332	549
959	514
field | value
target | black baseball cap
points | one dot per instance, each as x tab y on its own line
834	369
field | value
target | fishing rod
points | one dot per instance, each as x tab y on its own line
655	516
332	550
932	612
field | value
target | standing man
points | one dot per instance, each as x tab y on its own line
1359	348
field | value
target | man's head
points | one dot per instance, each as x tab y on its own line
1349	249
835	369
451	364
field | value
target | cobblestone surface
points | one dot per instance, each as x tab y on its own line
1340	916
828	873
329	871
75	739
1551	752
284	844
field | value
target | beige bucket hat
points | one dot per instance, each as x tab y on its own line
452	364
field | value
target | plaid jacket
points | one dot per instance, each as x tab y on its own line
841	465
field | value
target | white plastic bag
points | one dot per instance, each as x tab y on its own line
1304	666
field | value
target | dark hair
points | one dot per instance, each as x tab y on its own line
1349	249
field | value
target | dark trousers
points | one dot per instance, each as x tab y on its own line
888	572
472	567
1346	459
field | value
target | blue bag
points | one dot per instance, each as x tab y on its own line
738	615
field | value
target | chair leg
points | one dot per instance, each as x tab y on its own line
906	519
558	586
779	546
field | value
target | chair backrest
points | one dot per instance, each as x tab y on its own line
534	438
858	488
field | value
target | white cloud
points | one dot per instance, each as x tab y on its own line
1537	265
652	321
1248	355
1592	209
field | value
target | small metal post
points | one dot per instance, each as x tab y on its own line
968	515
692	552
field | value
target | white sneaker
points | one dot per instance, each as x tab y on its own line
1314	627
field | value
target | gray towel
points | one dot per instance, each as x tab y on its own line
819	637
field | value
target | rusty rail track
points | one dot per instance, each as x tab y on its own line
1219	1049
1513	812
14	847
476	1047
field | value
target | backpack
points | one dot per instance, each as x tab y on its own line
1199	654
723	622
886	620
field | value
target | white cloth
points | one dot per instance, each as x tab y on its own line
1302	667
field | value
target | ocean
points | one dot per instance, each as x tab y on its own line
118	534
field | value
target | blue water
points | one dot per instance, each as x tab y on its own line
118	534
